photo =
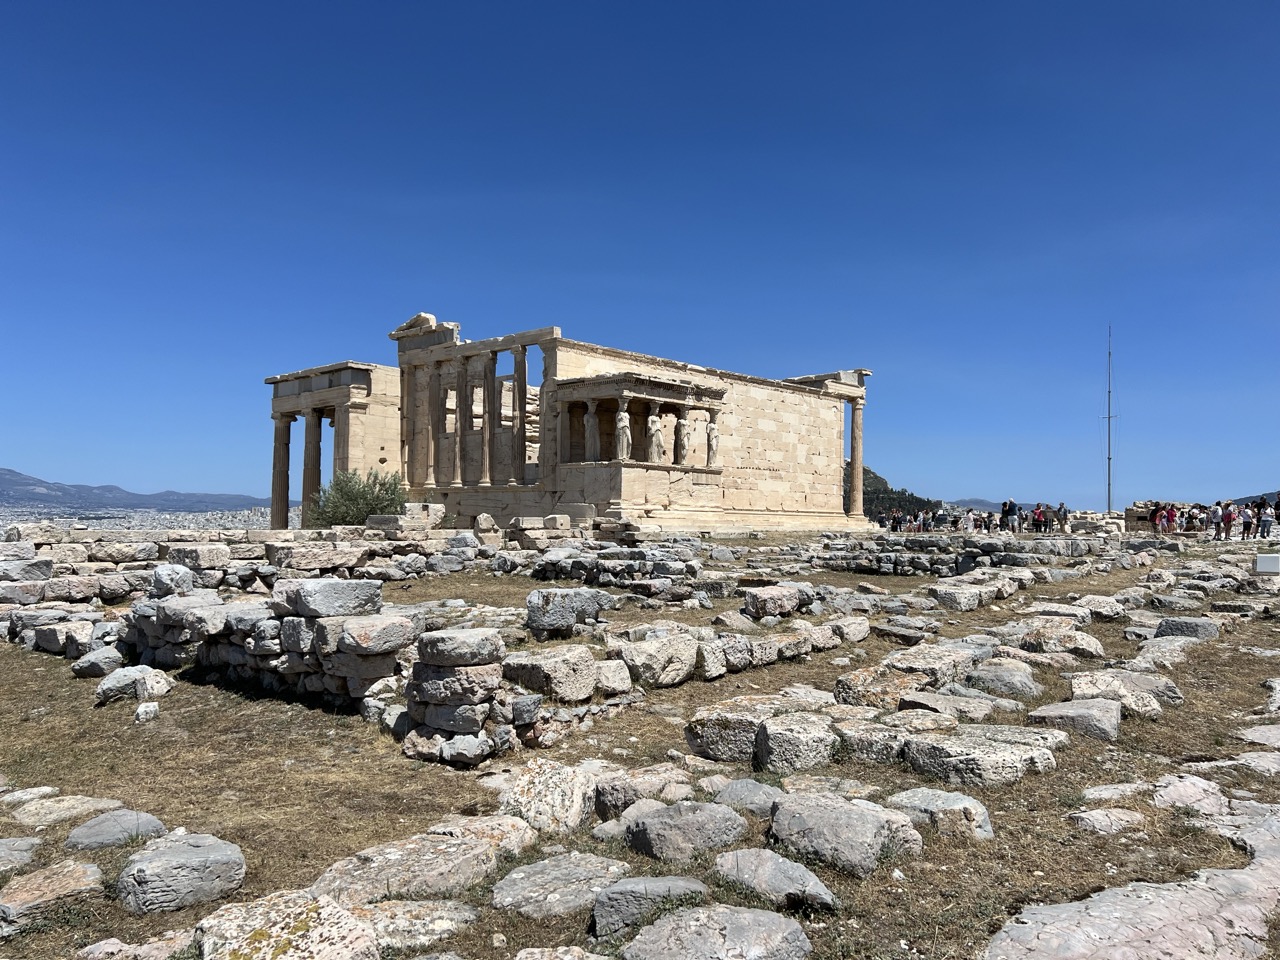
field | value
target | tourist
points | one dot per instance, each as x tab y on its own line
1037	519
1265	519
1063	514
1246	521
1171	519
1156	518
1215	518
1228	518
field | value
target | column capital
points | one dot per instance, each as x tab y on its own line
286	417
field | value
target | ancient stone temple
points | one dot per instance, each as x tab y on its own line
604	433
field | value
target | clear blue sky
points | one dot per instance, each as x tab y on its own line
958	196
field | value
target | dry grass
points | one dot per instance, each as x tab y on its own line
299	788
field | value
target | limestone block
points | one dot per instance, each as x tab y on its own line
461	647
179	870
567	673
199	556
454	685
425	866
12	571
289	923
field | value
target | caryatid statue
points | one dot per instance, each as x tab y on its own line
657	445
713	440
682	437
622	433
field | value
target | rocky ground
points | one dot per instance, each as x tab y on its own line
1080	768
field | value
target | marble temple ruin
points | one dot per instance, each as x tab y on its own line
600	433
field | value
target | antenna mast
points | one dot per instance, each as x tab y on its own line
1109	419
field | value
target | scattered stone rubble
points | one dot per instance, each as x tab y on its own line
933	703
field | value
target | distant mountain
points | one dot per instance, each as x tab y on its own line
19	490
1271	495
991	506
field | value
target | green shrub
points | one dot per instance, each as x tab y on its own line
350	499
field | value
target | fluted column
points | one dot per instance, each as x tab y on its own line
488	408
518	399
280	473
461	418
435	418
310	464
855	457
423	429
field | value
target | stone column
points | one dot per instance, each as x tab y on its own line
713	439
682	436
408	427
423	432
518	398
435	423
487	410
461	418
341	438
855	457
310	464
280	473
591	426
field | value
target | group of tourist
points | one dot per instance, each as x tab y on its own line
1255	519
1012	519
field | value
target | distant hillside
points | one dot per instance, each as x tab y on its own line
991	506
1271	496
19	490
878	497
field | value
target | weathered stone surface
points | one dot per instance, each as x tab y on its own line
1195	793
851	629
550	796
877	686
200	556
510	835
139	683
1221	914
662	661
795	741
617	829
970	761
329	598
171	578
1103	608
1005	678
613	676
563	884
830	829
1267	734
782	882
567	673
951	814
681	830
431	865
962	708
1200	628
54	810
718	933
462	647
940	662
168	944
17	852
178	870
32	896
114	829
291	925
17	798
1108	820
378	633
919	721
617	792
750	795
554	612
1099	718
1122	686
455	685
759	602
414	924
873	742
960	599
98	663
13	571
624	904
727	730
